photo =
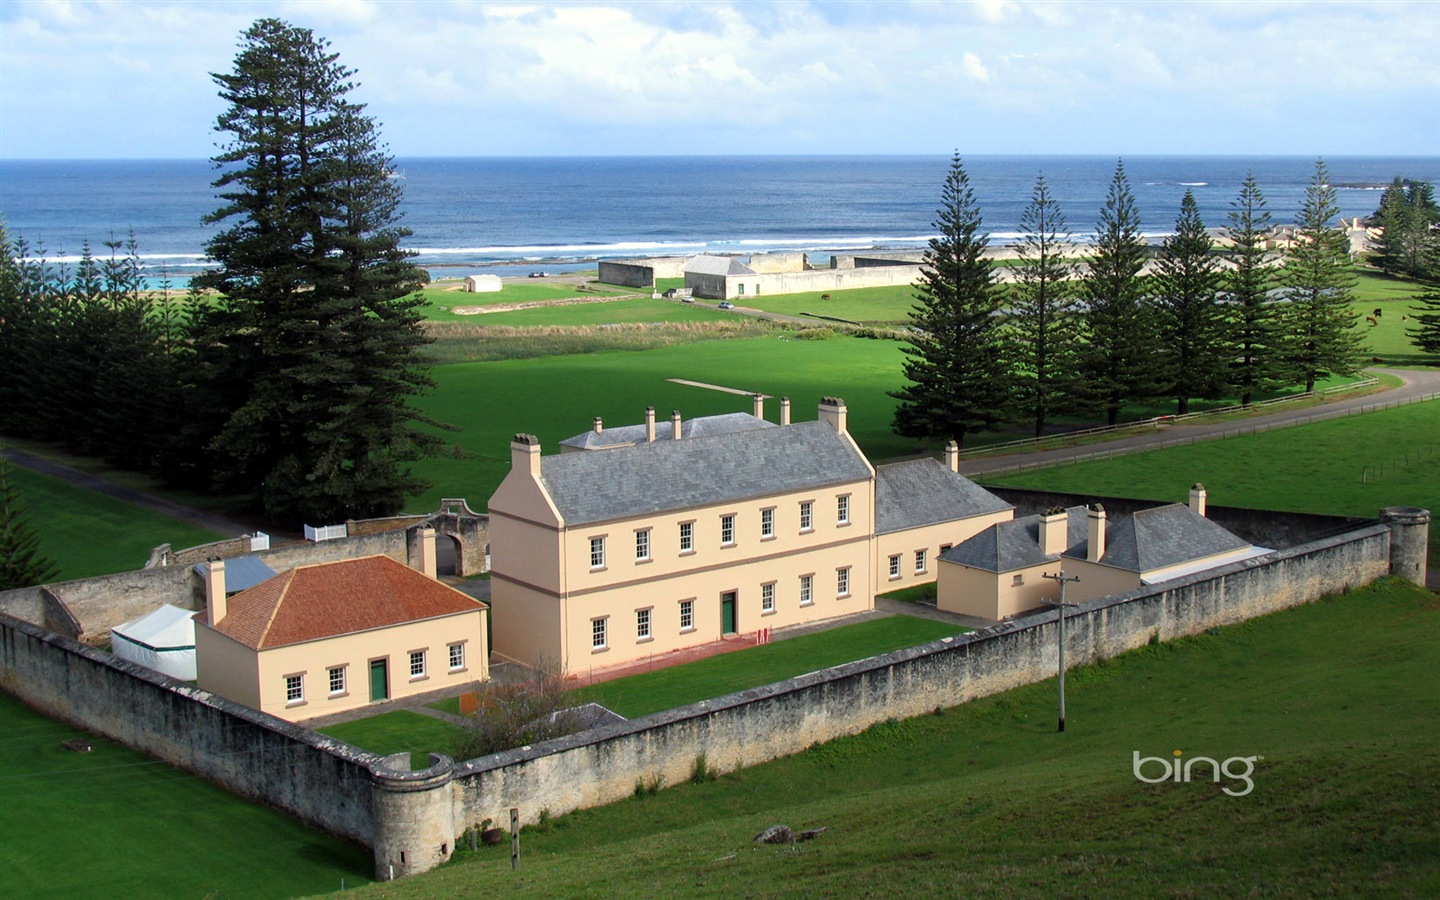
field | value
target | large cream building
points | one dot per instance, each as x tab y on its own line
660	538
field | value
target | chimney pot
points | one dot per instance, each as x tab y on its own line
525	454
1054	531
1095	533
832	412
599	426
759	411
427	562
215	606
649	424
1197	498
952	456
675	427
784	410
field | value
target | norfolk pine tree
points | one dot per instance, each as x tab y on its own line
956	365
1190	319
1042	307
21	564
1116	359
1254	335
1426	332
1320	335
314	349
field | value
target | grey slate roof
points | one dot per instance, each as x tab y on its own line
1160	537
717	265
703	426
241	572
924	492
674	475
1007	546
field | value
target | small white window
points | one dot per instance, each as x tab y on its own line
807	590
842	509
597	553
895	566
767	597
807	515
295	688
642	545
842	582
337	679
457	657
767	523
727	530
687	537
687	615
417	663
597	634
642	624
919	561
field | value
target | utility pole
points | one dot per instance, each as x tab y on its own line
1063	579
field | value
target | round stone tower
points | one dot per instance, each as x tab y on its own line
414	817
1409	541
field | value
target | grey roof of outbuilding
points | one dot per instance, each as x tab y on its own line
704	471
924	492
1007	546
1160	537
241	572
717	265
704	426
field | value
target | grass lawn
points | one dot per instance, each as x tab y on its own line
1351	466
638	309
442	300
88	534
117	823
401	731
1335	699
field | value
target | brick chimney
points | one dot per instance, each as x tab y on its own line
1054	531
832	412
759	399
1095	533
525	454
425	546
649	424
784	410
1197	498
675	427
952	457
215	607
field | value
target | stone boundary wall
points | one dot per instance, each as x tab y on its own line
835	279
362	527
640	273
324	782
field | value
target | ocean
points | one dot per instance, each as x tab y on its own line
511	216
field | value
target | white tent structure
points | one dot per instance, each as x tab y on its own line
482	284
163	640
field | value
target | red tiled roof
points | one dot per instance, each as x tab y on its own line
329	599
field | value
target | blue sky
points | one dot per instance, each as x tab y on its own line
130	78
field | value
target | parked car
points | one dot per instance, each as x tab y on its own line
726	304
687	299
539	274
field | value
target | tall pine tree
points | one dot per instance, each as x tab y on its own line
1319	323
1116	360
21	564
1041	319
956	365
1253	331
1191	320
314	348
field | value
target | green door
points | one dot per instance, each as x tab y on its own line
727	612
379	682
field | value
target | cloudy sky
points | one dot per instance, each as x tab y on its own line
130	78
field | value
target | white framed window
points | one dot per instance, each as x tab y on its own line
457	656
919	561
807	590
727	530
1017	580
337	680
687	537
895	566
767	523
842	509
842	582
767	597
642	625
417	664
642	545
687	615
599	633
807	515
597	553
295	688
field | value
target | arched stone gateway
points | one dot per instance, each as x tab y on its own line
468	530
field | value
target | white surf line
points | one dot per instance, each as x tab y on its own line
716	387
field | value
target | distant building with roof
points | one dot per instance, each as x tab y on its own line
1000	571
325	638
646	539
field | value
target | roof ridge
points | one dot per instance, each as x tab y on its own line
275	610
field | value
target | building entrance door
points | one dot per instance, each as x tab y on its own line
727	612
379	680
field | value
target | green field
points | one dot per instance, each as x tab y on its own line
116	823
1335	699
88	534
